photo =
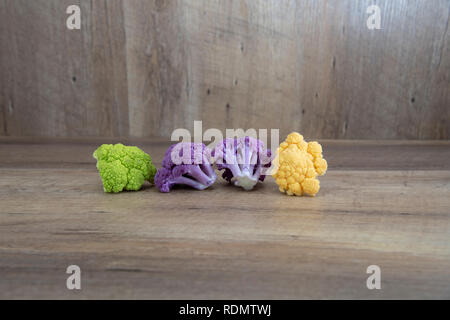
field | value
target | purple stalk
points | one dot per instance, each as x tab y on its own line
197	173
189	182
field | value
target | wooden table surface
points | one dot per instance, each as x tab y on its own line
381	203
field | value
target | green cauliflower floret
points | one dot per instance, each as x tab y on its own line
123	167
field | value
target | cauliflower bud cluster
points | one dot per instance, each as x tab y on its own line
123	167
298	164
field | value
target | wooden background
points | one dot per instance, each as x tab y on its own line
143	68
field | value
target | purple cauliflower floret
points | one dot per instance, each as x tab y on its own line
243	159
186	163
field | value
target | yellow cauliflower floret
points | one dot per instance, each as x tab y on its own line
298	164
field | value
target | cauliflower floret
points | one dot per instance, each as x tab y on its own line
123	167
298	163
186	163
243	161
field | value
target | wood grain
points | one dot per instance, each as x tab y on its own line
224	242
58	82
144	68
